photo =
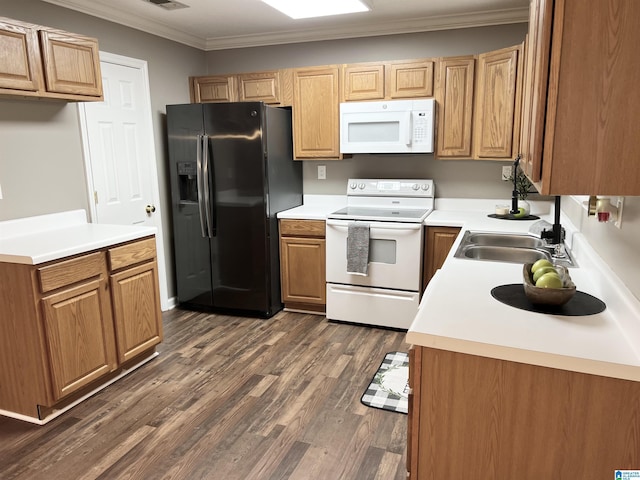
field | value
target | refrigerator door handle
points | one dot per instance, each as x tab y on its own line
200	183
207	193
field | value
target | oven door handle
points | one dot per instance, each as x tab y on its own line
377	225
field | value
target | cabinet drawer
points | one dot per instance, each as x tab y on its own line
302	228
71	271
132	253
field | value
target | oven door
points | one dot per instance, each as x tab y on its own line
395	255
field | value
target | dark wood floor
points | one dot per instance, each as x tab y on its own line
228	398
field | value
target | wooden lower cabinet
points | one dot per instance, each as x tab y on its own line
479	418
70	324
303	265
437	244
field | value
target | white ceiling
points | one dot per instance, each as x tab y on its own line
221	24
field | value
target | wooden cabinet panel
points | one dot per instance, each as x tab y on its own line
496	112
580	97
303	264
69	326
79	333
302	228
259	87
72	63
316	110
215	88
136	310
132	253
454	95
41	62
437	244
364	81
67	272
20	63
483	418
410	79
303	270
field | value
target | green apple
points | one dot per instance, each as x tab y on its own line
541	271
549	280
543	262
521	213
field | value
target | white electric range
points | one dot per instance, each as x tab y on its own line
391	213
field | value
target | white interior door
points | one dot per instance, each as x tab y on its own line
120	153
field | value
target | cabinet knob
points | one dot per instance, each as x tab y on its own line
150	208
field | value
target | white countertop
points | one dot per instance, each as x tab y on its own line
44	238
458	313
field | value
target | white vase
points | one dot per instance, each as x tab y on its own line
524	204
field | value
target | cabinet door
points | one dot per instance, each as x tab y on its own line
20	64
259	87
316	112
136	310
535	87
217	88
413	414
410	79
302	263
72	63
497	104
363	81
438	243
454	94
79	332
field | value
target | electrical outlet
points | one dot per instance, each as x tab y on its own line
322	172
506	172
0	192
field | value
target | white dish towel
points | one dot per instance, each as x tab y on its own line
358	248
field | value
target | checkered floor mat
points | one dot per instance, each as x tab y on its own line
390	385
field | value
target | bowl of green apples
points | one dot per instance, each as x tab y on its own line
547	284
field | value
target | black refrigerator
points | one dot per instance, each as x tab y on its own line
231	172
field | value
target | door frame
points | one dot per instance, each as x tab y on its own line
141	65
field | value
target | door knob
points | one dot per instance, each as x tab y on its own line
150	208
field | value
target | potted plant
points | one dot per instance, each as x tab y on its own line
522	186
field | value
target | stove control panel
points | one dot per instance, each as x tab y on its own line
390	187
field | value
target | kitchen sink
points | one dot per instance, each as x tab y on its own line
504	254
509	247
504	240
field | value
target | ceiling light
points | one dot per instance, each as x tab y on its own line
317	8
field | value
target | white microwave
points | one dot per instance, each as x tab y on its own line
394	126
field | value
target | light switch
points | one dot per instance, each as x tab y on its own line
506	172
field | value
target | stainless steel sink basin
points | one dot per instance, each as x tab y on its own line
504	254
504	240
508	247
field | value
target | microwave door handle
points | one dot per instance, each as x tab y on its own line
408	132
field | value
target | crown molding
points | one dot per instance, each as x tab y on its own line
137	23
444	22
425	24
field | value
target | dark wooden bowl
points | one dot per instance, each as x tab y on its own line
548	296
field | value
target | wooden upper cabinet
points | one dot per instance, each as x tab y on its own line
388	80
497	104
581	98
214	88
364	81
71	63
259	87
20	63
410	79
43	62
316	112
454	96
